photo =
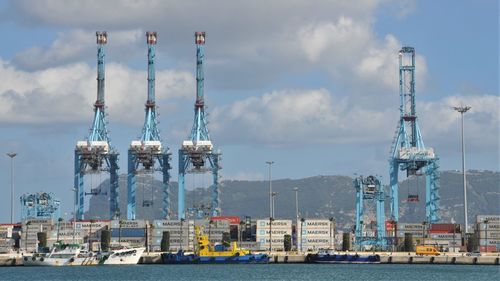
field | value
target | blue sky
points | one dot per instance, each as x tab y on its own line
313	87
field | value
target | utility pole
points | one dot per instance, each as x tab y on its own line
274	194
11	155
270	163
296	189
462	110
75	190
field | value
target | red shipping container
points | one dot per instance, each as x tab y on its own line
389	225
231	219
445	227
489	249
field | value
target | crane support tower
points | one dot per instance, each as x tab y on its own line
40	205
148	155
369	190
408	152
197	153
95	154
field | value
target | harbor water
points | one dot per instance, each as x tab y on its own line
255	272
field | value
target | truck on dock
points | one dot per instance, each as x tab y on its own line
427	251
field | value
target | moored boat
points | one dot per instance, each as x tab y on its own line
331	257
206	253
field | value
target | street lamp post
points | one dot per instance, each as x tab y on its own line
74	214
180	240
423	232
270	163
26	236
59	220
270	234
296	189
332	233
302	220
462	110
274	195
486	235
11	155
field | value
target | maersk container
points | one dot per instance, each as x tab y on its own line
128	232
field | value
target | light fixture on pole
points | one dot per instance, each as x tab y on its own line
11	155
462	110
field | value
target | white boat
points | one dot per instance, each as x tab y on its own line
62	255
122	256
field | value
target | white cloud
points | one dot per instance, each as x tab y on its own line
66	93
309	117
297	117
482	122
262	39
349	50
77	45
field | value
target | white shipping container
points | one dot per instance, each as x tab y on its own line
171	223
492	227
315	223
67	234
128	223
445	236
96	226
39	221
490	234
410	226
275	232
418	234
264	224
490	218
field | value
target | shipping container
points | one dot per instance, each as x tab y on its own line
275	232
489	234
128	232
442	227
489	249
171	223
230	219
128	223
446	236
490	218
264	224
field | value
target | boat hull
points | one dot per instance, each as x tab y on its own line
334	258
181	258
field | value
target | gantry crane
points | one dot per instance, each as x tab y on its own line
197	152
148	155
95	154
40	205
408	152
369	190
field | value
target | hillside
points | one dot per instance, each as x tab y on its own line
319	197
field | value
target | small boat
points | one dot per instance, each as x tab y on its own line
122	256
61	255
331	257
206	253
75	254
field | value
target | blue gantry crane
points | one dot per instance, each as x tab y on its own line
40	205
408	152
369	190
197	153
148	155
95	154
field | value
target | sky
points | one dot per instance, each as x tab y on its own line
310	85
